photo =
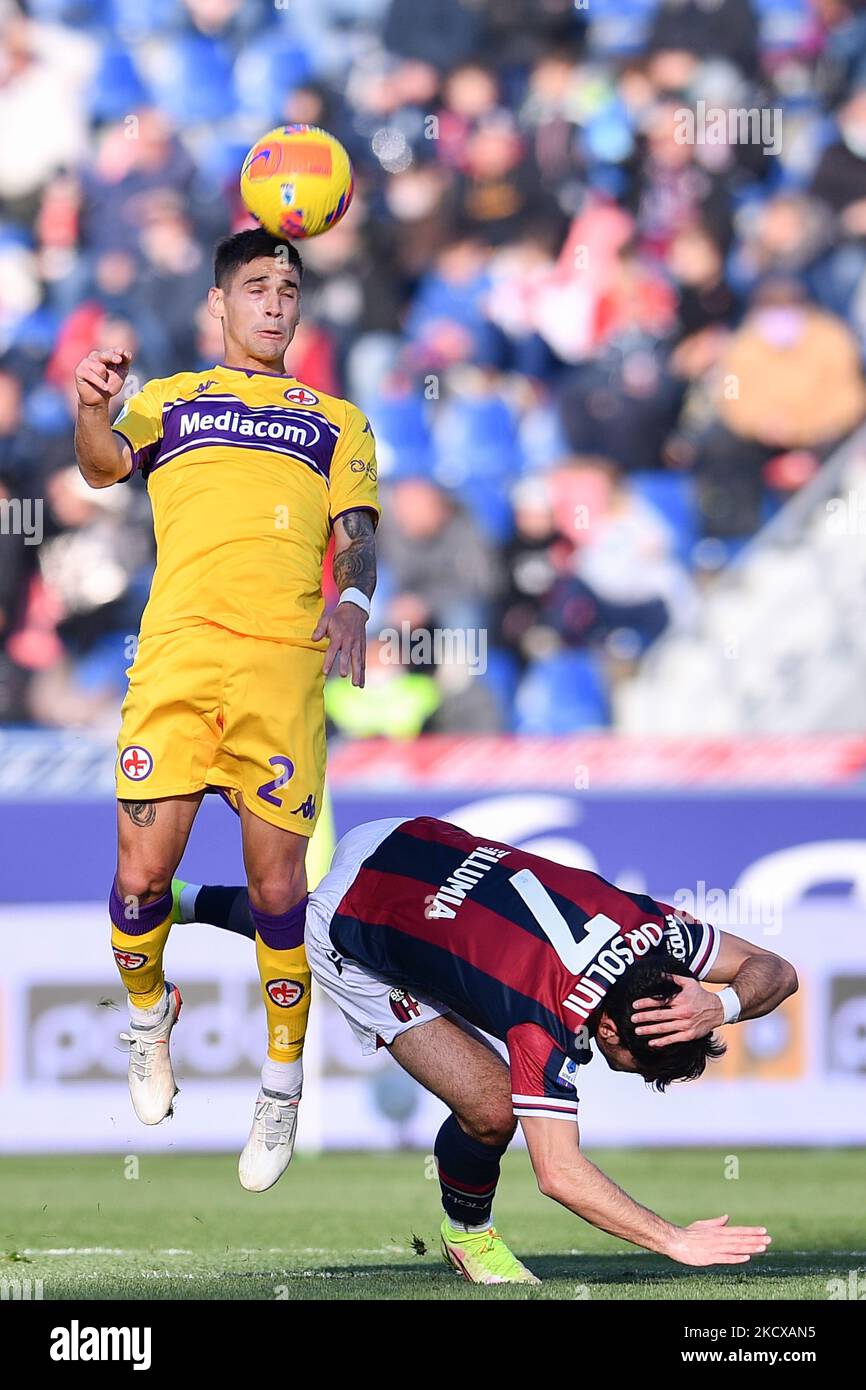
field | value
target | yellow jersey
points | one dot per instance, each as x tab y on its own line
246	473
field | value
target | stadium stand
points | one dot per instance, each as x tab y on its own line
542	298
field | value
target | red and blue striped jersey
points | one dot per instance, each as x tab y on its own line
522	947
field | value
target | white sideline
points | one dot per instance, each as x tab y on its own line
235	1250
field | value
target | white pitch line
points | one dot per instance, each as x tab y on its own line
80	1250
67	1250
272	1275
102	1250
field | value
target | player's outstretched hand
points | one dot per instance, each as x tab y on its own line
692	1013
100	375
346	626
714	1242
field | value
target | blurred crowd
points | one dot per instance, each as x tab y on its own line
597	353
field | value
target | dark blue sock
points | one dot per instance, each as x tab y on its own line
468	1173
228	908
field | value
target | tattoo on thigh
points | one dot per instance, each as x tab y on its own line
140	812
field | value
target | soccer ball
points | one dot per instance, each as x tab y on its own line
297	180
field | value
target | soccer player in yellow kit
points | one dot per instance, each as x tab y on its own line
248	472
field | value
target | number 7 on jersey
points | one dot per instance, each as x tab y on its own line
575	955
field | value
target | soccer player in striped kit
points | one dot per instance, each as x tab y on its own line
424	934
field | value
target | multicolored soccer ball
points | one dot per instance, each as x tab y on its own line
297	180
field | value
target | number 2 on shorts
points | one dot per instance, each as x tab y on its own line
267	789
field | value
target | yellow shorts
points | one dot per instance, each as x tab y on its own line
208	707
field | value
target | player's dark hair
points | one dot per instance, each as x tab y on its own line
242	247
654	979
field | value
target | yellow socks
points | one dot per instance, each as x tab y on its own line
138	937
285	977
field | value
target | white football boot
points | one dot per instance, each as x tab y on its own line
151	1079
271	1143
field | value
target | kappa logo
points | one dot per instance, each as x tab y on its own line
299	395
136	762
307	808
285	993
205	386
403	1006
361	466
129	960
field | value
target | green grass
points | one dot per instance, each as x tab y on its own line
343	1226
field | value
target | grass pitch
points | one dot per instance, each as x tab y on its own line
365	1226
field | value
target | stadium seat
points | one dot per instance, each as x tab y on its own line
36	334
490	505
266	71
561	695
193	80
116	88
403	440
672	495
475	438
438	299
784	24
609	135
137	19
502	677
105	665
477	453
219	161
75	14
617	30
46	410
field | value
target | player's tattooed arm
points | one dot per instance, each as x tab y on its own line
355	553
141	813
354	568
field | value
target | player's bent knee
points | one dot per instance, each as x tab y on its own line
504	1128
144	882
276	895
493	1126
